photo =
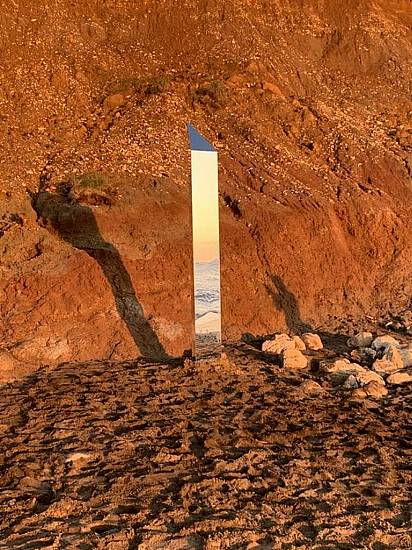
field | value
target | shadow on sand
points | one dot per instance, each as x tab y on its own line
76	224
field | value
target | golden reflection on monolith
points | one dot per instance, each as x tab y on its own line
206	251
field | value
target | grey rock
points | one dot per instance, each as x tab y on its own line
361	340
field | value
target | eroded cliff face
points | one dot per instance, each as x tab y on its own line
309	105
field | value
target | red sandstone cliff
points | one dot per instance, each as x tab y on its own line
309	104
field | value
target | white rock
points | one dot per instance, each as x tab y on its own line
385	342
279	343
399	378
294	359
312	341
361	340
364	378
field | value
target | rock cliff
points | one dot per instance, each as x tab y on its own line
309	105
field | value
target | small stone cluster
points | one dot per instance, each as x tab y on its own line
290	348
372	363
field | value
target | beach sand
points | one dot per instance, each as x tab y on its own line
231	454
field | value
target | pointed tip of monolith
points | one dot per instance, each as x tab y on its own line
197	141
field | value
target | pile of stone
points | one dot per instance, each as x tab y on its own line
290	348
388	360
374	363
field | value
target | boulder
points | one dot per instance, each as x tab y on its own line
385	342
279	343
342	366
390	362
312	341
361	340
299	343
293	359
341	369
398	378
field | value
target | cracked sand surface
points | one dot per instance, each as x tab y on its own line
232	455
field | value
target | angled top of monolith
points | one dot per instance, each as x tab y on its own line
197	141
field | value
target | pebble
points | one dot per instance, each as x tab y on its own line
350	383
312	341
361	340
114	102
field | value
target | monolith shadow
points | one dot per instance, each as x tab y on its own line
76	224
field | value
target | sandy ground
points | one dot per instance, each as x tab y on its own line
232	455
